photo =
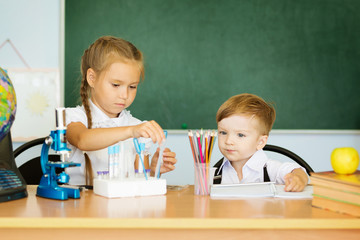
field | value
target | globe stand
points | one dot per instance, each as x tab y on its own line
12	184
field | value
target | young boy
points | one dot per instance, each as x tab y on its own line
244	122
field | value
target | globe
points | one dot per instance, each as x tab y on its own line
7	104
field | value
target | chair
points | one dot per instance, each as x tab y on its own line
287	153
31	170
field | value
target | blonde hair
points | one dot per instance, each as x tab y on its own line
99	56
252	105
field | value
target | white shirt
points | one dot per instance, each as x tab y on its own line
253	170
99	159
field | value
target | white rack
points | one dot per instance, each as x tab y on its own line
116	188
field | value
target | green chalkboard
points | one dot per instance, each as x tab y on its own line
304	56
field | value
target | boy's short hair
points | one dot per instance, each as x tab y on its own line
249	104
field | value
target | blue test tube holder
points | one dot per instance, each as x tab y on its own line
48	187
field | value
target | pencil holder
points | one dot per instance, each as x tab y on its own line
201	144
203	178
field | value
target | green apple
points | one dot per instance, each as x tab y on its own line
344	160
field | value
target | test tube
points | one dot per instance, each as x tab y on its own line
111	159
116	161
147	162
122	161
130	159
105	174
139	172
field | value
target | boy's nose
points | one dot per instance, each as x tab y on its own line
228	139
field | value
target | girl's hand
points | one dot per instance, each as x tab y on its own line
169	161
295	181
149	129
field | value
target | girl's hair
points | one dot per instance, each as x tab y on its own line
251	105
99	56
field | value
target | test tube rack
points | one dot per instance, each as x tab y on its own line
131	187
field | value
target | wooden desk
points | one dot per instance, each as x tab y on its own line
178	214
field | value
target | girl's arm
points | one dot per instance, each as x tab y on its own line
86	139
169	161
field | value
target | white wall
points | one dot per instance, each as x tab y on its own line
34	27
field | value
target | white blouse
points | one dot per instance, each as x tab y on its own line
99	159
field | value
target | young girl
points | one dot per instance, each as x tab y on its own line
111	69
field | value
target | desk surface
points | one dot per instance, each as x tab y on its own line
178	210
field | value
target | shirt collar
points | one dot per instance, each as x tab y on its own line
256	162
100	116
226	163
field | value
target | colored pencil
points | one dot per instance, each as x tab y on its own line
197	171
201	144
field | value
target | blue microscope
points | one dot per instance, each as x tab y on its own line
48	187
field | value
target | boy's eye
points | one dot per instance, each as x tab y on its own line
133	86
241	135
115	84
222	133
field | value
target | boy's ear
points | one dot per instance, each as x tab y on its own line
90	77
262	142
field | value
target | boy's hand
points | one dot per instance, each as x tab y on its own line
295	181
169	161
149	129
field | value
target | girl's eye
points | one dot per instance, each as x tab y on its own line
241	135
133	87
115	84
222	133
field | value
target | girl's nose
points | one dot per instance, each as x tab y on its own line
123	92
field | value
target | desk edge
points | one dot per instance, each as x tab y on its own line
178	223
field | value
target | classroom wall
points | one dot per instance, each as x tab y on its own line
34	29
314	146
30	53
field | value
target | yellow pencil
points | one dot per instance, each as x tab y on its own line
213	136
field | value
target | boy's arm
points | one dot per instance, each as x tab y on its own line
296	180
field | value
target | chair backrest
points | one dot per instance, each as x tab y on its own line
31	169
287	153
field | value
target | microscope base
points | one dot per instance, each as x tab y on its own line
58	193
